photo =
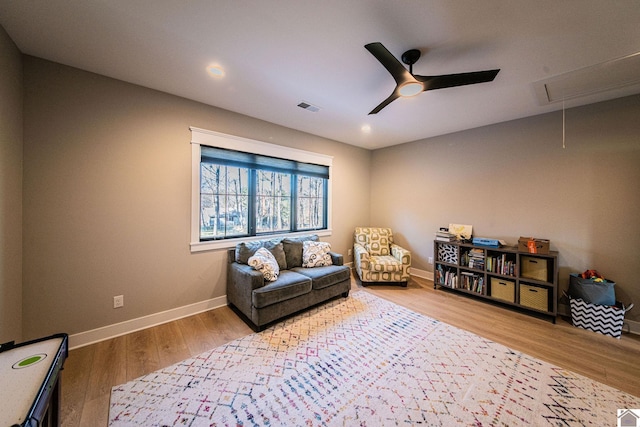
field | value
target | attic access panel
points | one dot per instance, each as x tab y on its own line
606	76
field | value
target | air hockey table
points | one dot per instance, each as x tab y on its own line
30	381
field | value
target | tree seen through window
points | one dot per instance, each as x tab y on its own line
237	201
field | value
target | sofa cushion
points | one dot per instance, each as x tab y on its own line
385	263
378	241
246	250
293	249
323	277
289	285
264	262
316	254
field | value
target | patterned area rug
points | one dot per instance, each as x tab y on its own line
364	361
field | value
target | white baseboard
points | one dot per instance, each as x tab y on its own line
423	274
93	336
634	327
111	331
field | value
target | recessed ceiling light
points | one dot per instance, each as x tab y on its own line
215	70
366	128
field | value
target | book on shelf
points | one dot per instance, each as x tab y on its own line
447	277
474	258
445	236
484	241
501	264
471	281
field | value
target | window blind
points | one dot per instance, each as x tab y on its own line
223	156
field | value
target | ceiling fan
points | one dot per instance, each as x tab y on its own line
408	84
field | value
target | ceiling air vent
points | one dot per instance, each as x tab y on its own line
603	77
309	107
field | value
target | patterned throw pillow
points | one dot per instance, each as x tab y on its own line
246	250
316	254
293	249
264	262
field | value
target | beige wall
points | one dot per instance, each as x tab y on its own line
106	193
107	198
10	190
515	178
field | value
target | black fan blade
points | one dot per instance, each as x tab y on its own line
393	66
395	95
460	79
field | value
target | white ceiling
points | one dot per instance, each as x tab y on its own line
277	53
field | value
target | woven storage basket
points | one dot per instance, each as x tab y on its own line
503	289
534	268
534	296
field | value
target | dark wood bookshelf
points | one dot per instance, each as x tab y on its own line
522	280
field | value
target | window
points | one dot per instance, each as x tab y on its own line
224	201
273	202
311	202
244	188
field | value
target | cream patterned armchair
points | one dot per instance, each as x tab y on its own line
378	259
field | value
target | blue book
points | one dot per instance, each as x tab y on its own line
485	242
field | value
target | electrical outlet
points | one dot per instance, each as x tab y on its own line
118	301
430	260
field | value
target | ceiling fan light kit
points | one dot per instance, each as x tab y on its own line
410	89
409	84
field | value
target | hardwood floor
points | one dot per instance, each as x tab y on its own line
91	371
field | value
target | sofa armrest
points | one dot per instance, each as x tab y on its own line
242	279
245	276
401	254
360	252
336	258
360	257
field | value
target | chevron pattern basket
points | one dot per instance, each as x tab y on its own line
604	319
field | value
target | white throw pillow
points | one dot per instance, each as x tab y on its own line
316	254
264	262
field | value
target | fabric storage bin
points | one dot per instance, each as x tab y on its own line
533	268
603	319
588	290
534	297
448	253
503	289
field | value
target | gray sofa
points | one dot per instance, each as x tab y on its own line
260	302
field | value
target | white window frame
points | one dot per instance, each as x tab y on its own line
216	139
